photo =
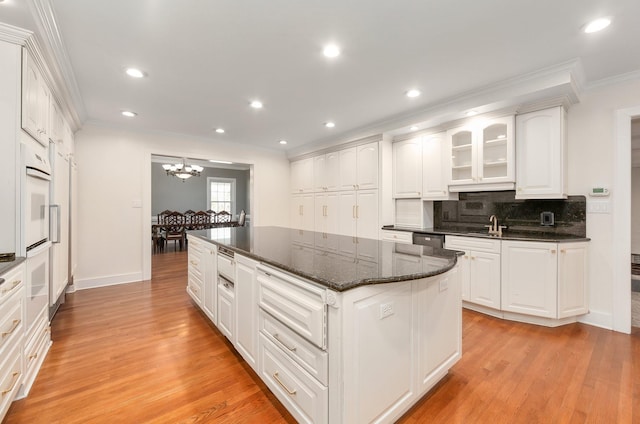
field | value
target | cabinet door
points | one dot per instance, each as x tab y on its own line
484	287
60	224
348	171
319	174
572	280
367	166
495	153
464	270
529	278
31	80
435	167
246	311
407	168
319	212
463	155
332	171
302	216
226	314
347	213
367	214
540	156
302	176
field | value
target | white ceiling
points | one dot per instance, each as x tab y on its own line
207	59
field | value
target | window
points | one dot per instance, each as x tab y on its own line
222	194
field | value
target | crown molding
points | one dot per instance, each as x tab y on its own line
604	82
14	35
55	62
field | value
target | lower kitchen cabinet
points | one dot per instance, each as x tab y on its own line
479	269
246	310
544	279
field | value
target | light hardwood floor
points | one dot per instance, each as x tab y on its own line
141	352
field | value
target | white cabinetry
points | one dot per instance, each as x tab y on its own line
479	268
12	342
405	237
326	213
367	166
358	213
482	155
407	168
436	171
326	172
246	310
544	279
36	98
210	280
196	270
302	176
59	221
541	154
302	215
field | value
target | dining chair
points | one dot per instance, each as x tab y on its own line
175	228
188	219
223	216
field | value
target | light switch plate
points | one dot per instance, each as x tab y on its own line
599	206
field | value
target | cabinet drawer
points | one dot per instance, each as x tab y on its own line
473	243
11	327
226	267
296	303
315	361
303	396
10	378
397	236
226	310
195	287
13	281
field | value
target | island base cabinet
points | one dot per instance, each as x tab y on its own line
226	309
303	396
573	297
396	342
246	310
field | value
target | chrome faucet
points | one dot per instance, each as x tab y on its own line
494	228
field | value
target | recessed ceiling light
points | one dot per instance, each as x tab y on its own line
135	73
413	93
283	142
472	113
128	113
220	130
220	161
331	50
597	25
329	124
256	104
413	128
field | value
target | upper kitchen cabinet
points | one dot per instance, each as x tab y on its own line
36	99
407	168
326	172
359	167
302	176
541	160
435	168
482	155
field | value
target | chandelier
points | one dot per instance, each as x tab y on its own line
182	170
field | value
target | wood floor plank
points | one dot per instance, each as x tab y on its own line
143	353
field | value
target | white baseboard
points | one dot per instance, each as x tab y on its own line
598	319
111	280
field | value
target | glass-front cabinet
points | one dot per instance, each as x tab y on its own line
482	153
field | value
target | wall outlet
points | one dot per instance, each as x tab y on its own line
444	284
386	310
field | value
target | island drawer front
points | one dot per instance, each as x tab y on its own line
226	267
13	280
297	304
315	361
11	321
303	396
195	286
477	244
10	377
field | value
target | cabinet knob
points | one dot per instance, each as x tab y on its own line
473	258
553	251
519	188
563	251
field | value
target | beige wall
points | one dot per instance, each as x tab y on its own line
591	125
113	164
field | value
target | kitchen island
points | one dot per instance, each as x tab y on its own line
342	330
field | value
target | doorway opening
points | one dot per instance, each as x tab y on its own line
635	223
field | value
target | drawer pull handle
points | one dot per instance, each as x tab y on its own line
13	286
194	263
277	337
14	380
33	356
275	375
16	323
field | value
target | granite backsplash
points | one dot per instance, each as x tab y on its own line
472	211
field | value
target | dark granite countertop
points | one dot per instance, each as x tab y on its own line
8	266
521	235
337	262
